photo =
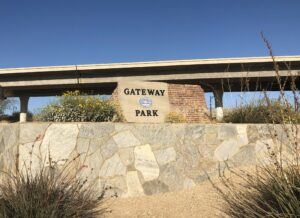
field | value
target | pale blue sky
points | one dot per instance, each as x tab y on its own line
62	32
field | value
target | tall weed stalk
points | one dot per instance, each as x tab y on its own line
273	188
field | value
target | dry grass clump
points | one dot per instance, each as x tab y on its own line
273	190
48	192
268	192
45	195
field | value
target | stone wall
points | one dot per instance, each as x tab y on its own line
137	159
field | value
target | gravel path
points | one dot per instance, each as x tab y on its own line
200	201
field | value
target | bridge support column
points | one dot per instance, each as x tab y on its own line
218	94
23	108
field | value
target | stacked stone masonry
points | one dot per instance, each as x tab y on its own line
137	159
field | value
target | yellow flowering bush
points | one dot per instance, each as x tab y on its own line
74	106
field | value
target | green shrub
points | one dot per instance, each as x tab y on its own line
175	117
273	111
7	104
73	106
46	194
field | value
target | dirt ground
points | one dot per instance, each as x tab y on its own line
199	201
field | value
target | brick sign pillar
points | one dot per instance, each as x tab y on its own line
151	102
188	100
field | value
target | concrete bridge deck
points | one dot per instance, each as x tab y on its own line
229	74
214	75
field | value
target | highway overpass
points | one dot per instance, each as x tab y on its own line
214	75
